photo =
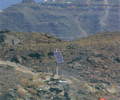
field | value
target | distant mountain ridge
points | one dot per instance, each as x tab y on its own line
65	19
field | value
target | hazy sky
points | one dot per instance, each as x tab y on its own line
6	3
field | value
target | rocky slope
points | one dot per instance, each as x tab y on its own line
92	64
17	84
66	19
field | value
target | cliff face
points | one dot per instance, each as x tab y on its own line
65	19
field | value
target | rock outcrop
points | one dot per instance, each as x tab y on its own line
9	39
28	1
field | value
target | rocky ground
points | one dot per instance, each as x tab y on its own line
91	67
16	84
